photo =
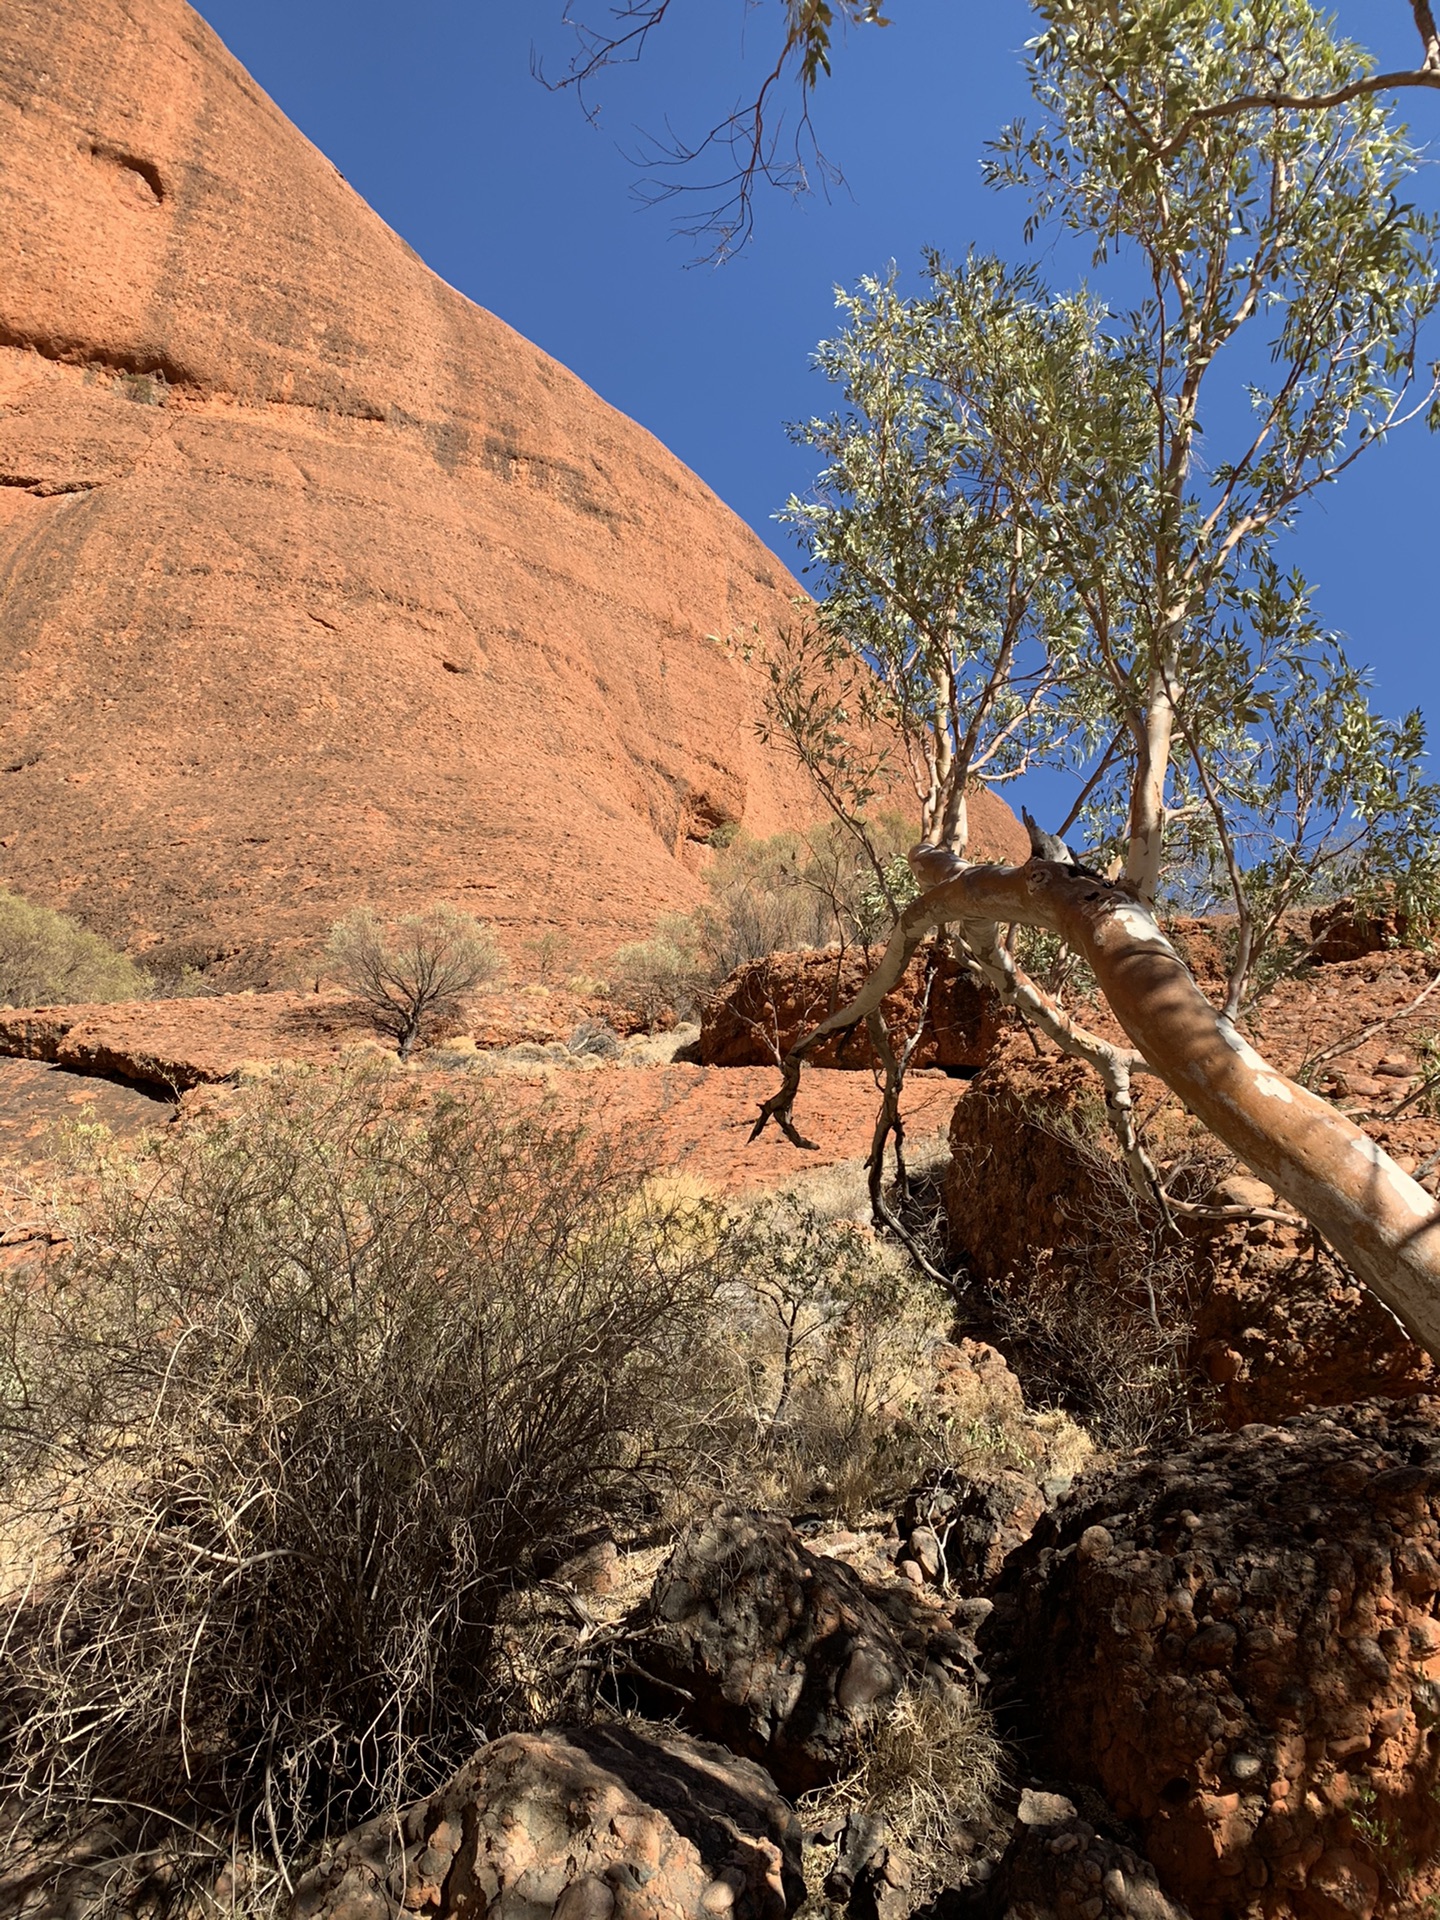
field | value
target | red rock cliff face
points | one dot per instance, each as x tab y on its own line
318	584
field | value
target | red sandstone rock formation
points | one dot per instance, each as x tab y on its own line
1236	1643
318	583
1277	1324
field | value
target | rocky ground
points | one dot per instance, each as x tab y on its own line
1209	1652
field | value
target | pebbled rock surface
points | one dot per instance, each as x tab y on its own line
779	1652
765	1006
961	1524
594	1823
319	584
1237	1644
1060	1867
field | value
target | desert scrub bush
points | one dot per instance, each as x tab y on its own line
290	1424
46	959
415	974
663	977
765	896
832	1328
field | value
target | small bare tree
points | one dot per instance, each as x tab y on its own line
417	972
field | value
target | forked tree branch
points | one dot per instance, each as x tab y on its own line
1427	74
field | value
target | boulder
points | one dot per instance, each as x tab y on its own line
962	1523
1236	1644
1057	1863
1345	931
592	1823
765	1006
751	1639
1265	1321
1280	1325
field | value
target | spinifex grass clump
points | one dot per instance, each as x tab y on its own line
290	1423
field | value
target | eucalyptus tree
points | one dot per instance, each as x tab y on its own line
1047	529
768	139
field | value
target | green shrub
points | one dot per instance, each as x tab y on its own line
290	1424
48	959
661	978
833	1329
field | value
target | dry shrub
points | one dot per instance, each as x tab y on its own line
1101	1320
294	1419
831	1328
415	975
48	959
931	1763
765	896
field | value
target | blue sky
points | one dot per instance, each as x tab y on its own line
508	192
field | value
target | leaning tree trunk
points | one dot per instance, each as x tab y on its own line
1381	1223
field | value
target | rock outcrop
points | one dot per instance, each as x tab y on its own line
1059	1865
319	584
1236	1644
593	1823
1265	1321
751	1639
765	1007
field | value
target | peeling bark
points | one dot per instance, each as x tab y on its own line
1380	1222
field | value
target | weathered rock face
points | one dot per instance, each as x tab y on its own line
1059	1864
1034	1190
1281	1326
1237	1644
318	583
780	1652
765	1007
594	1823
1343	931
962	1525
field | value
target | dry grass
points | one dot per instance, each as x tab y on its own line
932	1762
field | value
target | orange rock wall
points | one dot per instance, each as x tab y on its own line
318	584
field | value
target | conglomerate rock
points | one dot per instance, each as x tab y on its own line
1036	1203
1058	1866
592	1823
964	1522
751	1639
766	1006
1237	1644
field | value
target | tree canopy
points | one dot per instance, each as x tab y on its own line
1048	528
